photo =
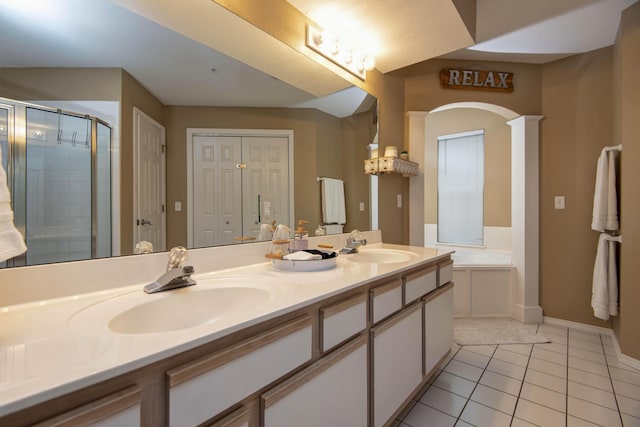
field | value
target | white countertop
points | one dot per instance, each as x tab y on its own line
49	348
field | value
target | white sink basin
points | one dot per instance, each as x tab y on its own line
382	256
177	310
211	300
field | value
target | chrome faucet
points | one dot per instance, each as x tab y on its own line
354	241
176	276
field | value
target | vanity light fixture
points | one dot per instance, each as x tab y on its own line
332	48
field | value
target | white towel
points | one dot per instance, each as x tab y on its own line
605	200
333	209
612	195
266	232
11	241
604	293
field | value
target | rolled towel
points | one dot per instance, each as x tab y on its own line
302	256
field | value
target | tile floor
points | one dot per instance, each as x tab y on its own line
576	380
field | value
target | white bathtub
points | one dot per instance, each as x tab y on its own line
483	282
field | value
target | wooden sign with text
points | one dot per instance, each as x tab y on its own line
496	81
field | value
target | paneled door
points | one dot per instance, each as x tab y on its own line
149	180
217	209
231	173
266	175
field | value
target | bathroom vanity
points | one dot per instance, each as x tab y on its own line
247	346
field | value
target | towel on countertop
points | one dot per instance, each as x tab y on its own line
333	208
11	241
605	198
266	232
604	293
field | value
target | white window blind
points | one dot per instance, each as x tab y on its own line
461	188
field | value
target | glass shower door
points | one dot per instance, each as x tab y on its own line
58	184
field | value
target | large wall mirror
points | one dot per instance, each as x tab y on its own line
73	70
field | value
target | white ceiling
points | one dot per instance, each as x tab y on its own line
172	50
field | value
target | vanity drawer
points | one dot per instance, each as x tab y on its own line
419	284
202	389
445	272
385	300
343	320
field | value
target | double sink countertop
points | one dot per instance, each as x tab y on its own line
53	347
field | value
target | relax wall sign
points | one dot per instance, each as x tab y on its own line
496	81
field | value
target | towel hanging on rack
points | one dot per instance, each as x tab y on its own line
333	206
604	292
605	198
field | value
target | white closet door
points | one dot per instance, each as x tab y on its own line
216	183
266	173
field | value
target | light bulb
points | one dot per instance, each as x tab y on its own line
369	63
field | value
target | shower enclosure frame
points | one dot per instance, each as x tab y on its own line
17	169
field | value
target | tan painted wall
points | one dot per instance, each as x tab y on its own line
24	84
316	153
497	164
577	105
627	130
133	95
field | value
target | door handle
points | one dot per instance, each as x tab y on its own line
144	222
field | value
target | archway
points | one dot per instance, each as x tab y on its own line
524	200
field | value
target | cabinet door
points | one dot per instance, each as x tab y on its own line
116	410
202	389
419	284
342	320
331	392
438	326
385	300
397	362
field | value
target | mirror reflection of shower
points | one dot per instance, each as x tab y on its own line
58	167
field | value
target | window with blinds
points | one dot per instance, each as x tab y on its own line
461	188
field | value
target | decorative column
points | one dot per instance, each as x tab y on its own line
417	131
525	190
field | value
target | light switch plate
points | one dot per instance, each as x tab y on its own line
399	200
178	206
558	202
361	206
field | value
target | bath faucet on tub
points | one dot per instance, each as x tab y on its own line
176	276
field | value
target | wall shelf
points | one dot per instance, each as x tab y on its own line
382	165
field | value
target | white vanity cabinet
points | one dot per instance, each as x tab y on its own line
342	320
385	300
419	284
115	410
445	272
438	326
396	346
331	392
202	389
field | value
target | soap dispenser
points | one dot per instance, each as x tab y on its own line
300	240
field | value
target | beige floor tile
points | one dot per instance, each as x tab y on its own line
524	349
506	368
425	416
624	375
626	389
587	378
553	346
595	413
470	358
577	422
548	367
592	394
549	356
464	370
483	416
494	399
544	397
511	357
629	406
587	355
584	336
538	414
501	382
517	422
630	421
444	401
586	345
485	350
544	380
454	384
585	365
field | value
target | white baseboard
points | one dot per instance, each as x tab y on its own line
527	314
627	360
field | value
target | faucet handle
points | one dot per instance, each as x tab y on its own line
177	257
